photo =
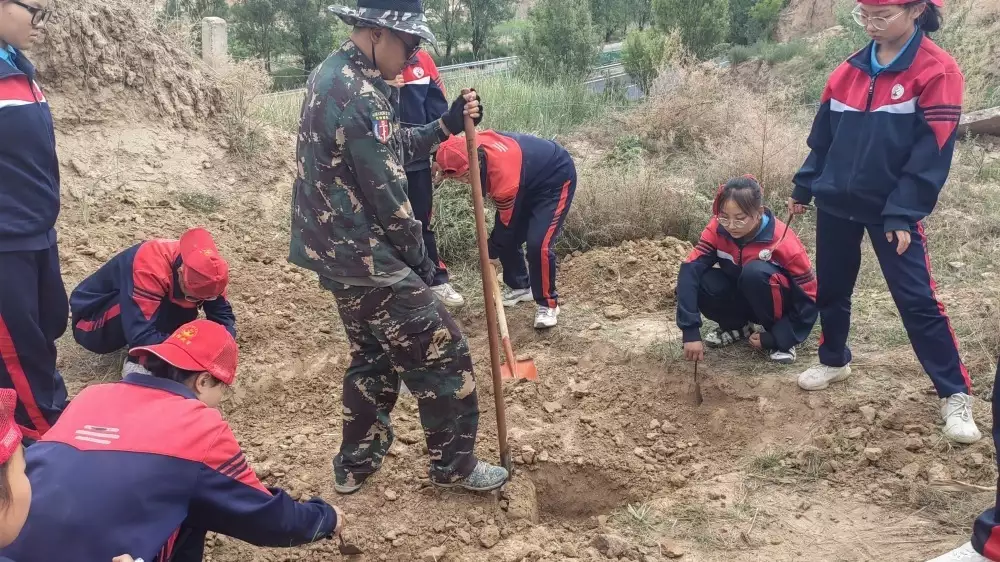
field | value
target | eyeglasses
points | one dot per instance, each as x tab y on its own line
879	23
732	223
38	15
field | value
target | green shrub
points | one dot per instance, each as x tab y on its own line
775	53
764	18
645	52
703	24
739	54
560	41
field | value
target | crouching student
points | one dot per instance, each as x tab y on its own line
532	182
147	466
763	277
147	291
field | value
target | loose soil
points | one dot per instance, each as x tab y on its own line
613	457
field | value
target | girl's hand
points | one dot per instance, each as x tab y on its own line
902	240
397	82
795	208
694	351
123	558
340	522
755	341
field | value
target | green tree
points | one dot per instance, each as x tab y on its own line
764	15
196	9
739	22
255	26
640	12
646	52
560	40
484	15
309	31
703	24
609	16
449	23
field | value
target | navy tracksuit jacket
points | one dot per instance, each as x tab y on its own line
882	146
32	296
422	100
532	181
135	299
142	467
778	293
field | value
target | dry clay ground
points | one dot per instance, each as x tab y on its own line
614	457
761	470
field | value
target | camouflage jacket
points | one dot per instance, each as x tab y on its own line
351	216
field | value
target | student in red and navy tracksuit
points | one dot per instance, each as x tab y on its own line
32	296
882	145
421	101
532	182
764	277
147	466
145	292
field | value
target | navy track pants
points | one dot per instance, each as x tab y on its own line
421	193
537	224
838	260
761	295
33	315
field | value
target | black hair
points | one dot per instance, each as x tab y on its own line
745	191
160	368
930	20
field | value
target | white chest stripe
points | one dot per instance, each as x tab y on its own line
900	108
725	256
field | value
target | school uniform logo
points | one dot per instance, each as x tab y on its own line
381	126
898	91
418	72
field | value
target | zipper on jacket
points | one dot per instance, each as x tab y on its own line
871	92
857	151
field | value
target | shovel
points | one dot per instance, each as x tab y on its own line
491	304
697	386
348	549
514	368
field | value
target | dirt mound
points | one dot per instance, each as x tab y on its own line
805	17
107	61
639	275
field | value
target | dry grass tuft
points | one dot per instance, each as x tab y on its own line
242	84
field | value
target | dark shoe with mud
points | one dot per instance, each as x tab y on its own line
484	477
723	338
351	485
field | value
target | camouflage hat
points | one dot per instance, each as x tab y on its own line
406	16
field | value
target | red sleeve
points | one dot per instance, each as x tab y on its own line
798	264
226	457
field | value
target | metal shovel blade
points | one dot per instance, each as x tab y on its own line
524	369
697	386
348	549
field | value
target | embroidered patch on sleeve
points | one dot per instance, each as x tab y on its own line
381	126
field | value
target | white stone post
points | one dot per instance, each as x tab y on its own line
214	42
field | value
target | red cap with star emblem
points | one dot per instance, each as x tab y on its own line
10	433
452	156
206	274
938	3
201	345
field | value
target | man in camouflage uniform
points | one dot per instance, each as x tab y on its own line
353	224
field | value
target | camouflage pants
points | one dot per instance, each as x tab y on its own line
404	332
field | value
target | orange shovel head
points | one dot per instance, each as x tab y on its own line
523	369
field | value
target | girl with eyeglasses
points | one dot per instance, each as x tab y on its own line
881	149
763	277
32	295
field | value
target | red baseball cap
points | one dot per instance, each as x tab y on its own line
10	433
452	156
938	3
206	274
201	345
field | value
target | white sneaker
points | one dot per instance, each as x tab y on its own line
964	553
820	376
721	338
511	297
956	410
448	295
784	357
546	317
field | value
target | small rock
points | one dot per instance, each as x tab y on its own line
602	521
909	471
436	554
914	444
654	423
615	312
589	420
476	515
543	456
937	472
528	454
206	164
672	549
398	542
873	454
391	536
639	452
868	413
668	428
489	536
652	435
609	545
299	439
677	479
568	550
977	458
391	495
463	536
552	407
956	265
595	326
855	433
